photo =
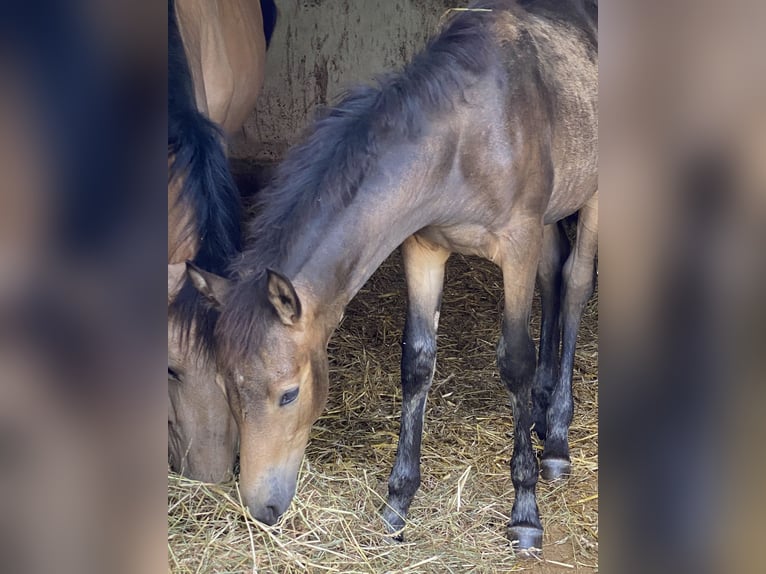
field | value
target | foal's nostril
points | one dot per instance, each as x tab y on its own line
273	513
267	515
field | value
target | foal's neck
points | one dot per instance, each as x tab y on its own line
345	248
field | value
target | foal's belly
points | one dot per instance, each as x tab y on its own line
467	239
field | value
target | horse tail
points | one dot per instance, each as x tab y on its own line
196	148
270	15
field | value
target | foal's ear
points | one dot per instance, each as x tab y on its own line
283	298
176	276
213	287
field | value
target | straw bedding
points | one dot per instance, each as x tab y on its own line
457	521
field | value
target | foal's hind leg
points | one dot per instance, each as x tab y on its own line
516	363
424	270
579	272
555	251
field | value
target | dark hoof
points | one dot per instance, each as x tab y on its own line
540	431
555	468
526	540
394	523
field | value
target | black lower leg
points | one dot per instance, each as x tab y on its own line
516	362
547	370
418	362
549	279
555	460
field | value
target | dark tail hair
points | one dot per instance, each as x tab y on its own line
270	15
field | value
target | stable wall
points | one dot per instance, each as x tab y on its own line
320	48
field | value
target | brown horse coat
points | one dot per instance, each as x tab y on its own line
226	50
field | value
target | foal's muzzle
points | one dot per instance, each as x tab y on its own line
272	498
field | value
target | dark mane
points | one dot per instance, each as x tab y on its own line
195	145
582	14
323	174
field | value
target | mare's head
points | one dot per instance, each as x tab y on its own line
272	352
202	434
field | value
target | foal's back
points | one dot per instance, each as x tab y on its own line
550	52
524	138
565	36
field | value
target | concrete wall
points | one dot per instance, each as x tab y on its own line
321	47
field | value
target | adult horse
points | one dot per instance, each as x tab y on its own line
488	136
216	57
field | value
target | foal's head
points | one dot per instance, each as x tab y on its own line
272	353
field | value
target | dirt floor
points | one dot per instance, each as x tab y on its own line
457	521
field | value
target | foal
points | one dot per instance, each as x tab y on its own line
486	137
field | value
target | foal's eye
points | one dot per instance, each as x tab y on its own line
289	397
173	375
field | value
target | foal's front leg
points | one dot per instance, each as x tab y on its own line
516	362
424	270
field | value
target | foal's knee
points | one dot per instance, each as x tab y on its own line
516	358
418	358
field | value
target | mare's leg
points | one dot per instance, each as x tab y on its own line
579	272
424	270
555	252
520	257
